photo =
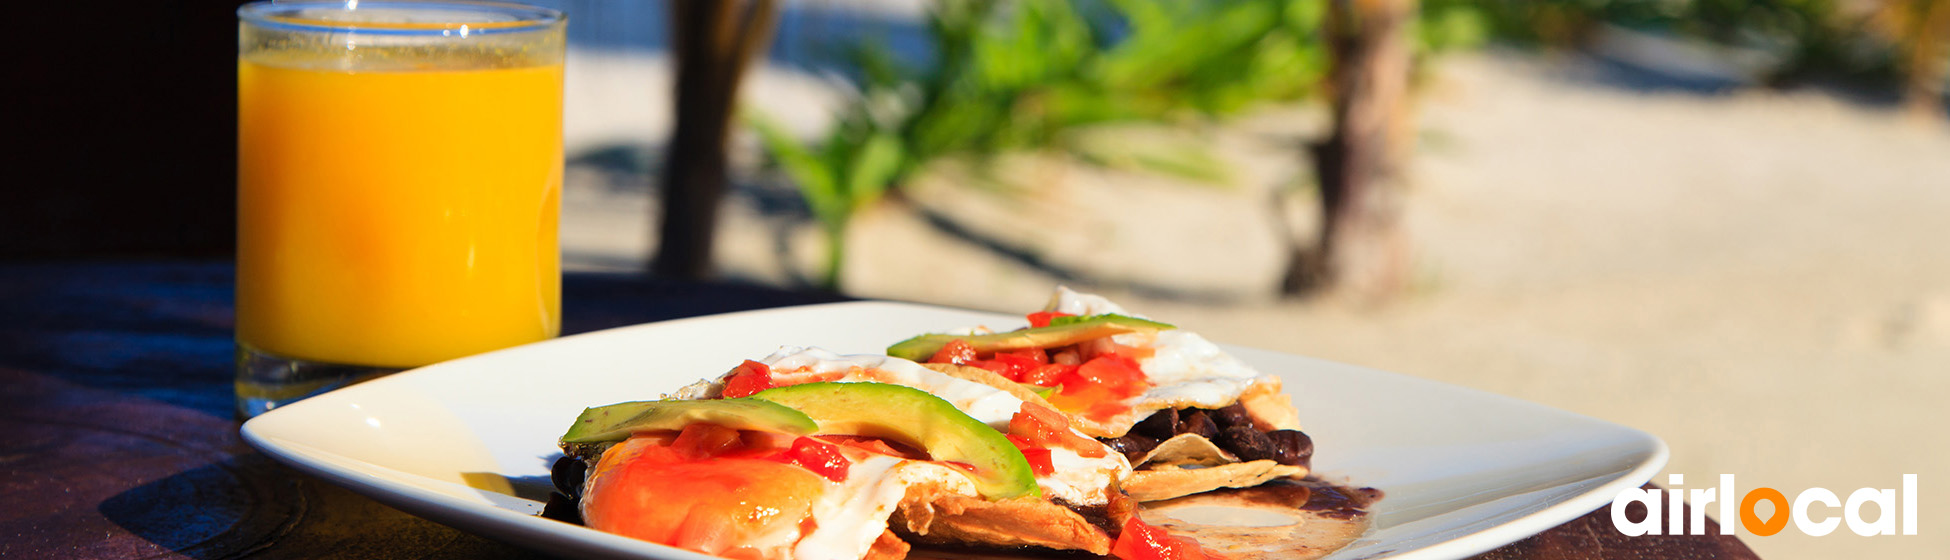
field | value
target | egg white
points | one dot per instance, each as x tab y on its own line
1185	369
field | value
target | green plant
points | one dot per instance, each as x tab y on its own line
848	171
1807	38
1029	75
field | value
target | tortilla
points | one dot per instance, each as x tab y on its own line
888	547
929	515
1163	482
1270	522
1275	521
1187	450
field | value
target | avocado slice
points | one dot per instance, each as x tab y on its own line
917	418
617	421
1061	332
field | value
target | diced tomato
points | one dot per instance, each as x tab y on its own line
819	457
1040	417
1047	375
1038	457
644	490
1012	366
956	352
1041	318
1099	387
1038	426
1039	462
750	377
1118	373
1032	354
1142	541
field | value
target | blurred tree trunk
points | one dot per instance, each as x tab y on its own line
712	41
1925	62
1361	249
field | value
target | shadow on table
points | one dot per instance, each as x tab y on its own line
249	506
219	510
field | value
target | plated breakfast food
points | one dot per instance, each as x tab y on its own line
1045	437
1188	416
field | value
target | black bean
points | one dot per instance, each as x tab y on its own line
1292	447
1232	415
562	508
1133	446
568	475
1197	422
1161	425
1247	443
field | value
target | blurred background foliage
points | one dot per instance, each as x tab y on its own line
1800	39
1019	76
1005	76
1002	76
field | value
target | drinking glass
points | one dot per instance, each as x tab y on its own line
399	179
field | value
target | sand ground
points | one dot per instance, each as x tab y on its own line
1760	278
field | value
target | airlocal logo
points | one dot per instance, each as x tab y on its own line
1801	511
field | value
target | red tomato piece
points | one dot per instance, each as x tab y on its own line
1099	387
1047	375
1013	366
819	457
957	352
750	377
1039	462
1117	373
1038	457
1038	426
1142	541
1032	354
1041	318
1043	416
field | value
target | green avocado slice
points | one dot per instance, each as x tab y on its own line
916	418
1062	331
617	421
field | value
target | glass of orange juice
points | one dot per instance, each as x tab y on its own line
399	178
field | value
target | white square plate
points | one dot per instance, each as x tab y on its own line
469	443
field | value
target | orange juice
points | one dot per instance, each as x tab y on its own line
397	218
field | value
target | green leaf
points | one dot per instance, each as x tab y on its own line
874	166
814	176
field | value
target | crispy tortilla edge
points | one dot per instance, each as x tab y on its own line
1152	485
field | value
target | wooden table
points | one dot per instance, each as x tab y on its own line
117	436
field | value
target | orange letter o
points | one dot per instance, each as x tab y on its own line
1752	522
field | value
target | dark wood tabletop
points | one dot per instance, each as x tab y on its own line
117	435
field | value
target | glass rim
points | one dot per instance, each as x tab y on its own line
278	14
